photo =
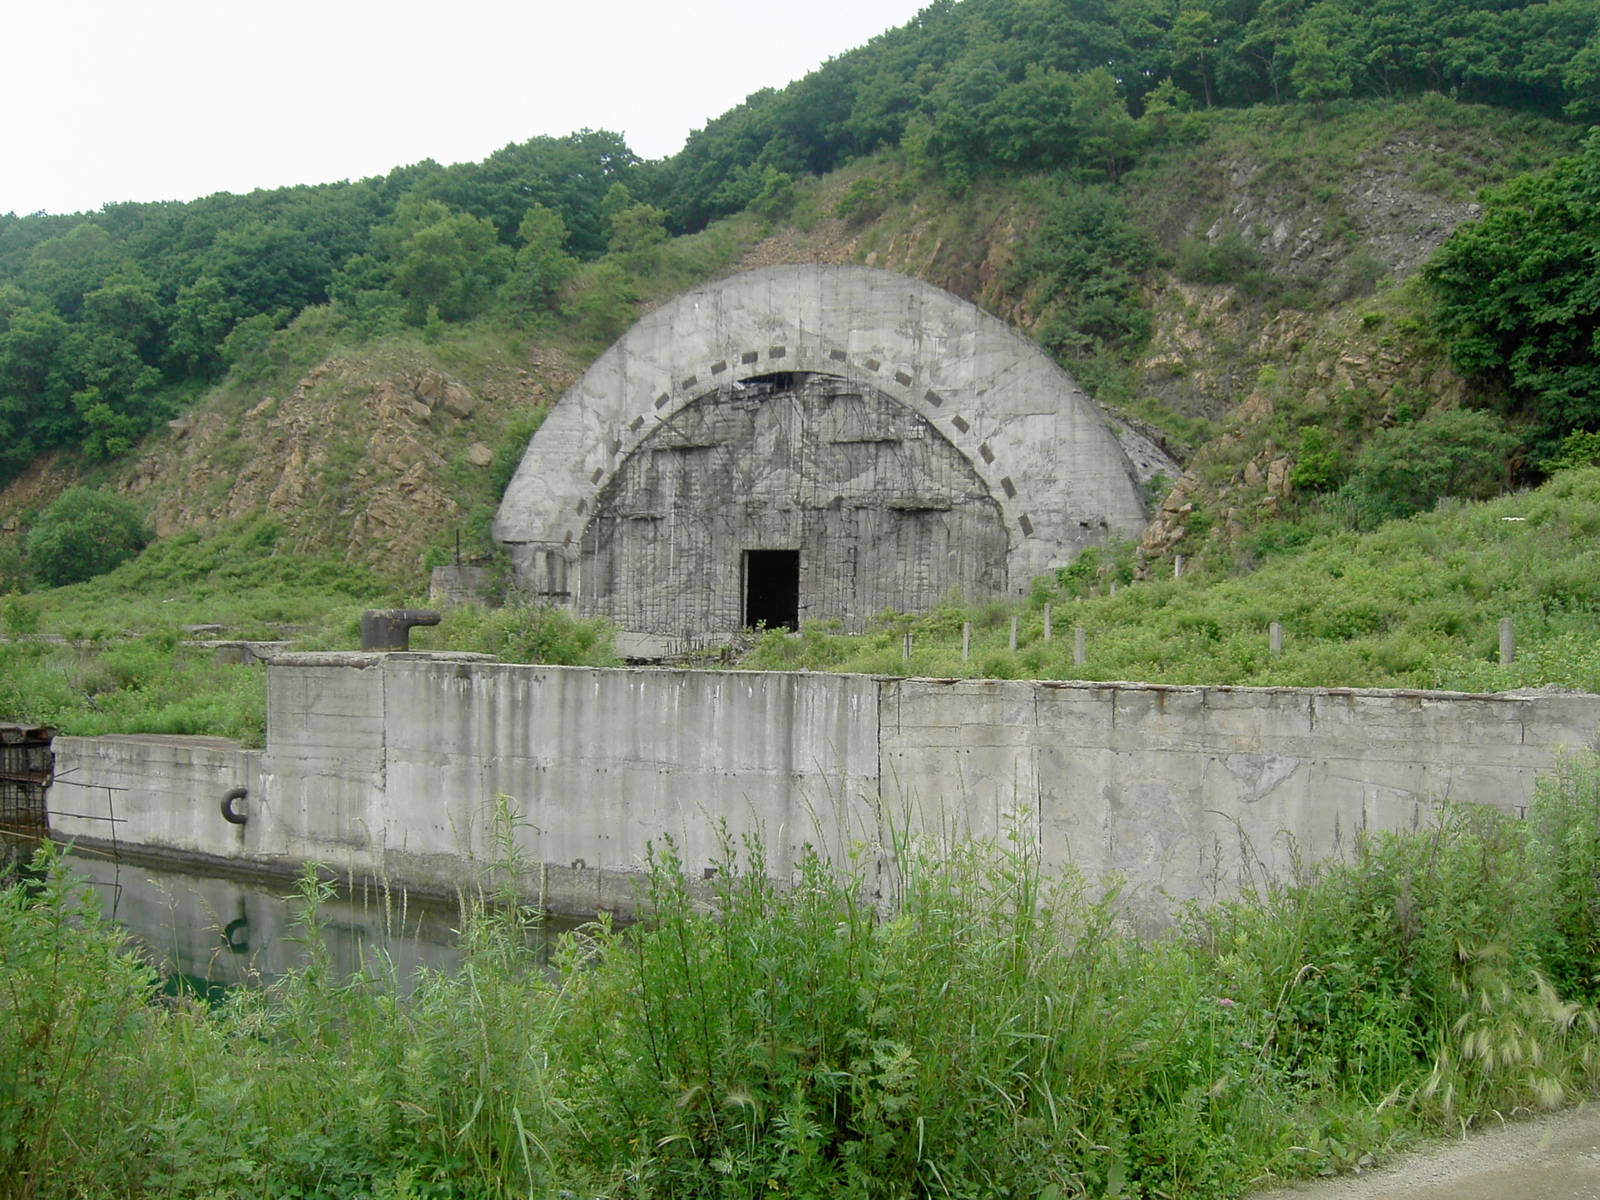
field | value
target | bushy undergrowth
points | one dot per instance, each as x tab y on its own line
107	655
978	1031
522	633
146	685
1415	603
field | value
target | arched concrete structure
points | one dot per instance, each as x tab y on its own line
962	416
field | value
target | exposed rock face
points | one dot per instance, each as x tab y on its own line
355	459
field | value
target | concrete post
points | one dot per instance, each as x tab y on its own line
1046	624
1275	639
966	640
1080	645
1013	634
1113	587
906	652
1508	643
1177	566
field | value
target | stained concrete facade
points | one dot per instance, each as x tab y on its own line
386	765
901	441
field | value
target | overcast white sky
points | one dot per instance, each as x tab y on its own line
108	100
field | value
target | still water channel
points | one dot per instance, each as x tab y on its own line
217	932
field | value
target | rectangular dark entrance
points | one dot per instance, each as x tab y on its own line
772	588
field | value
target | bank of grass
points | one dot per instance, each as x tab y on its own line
110	655
144	685
975	1031
1414	604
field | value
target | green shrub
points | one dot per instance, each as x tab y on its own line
83	534
1407	468
1580	448
1230	259
522	633
1084	261
862	200
1316	466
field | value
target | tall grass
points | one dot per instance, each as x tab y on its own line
981	1031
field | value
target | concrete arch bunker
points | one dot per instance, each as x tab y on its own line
758	376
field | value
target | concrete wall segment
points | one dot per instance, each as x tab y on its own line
388	765
160	793
601	764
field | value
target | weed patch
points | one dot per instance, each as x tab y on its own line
957	1024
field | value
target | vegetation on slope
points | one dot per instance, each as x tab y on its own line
111	322
984	1033
122	653
1416	603
972	88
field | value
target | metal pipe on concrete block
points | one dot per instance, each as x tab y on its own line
390	628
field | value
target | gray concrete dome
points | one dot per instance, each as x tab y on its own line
808	443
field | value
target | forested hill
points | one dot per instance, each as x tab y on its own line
988	85
114	321
111	321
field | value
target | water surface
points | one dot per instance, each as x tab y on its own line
220	931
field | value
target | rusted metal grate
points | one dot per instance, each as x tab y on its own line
27	765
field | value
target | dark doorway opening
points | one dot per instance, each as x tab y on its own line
772	588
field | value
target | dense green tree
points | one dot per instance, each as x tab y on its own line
61	270
266	266
1518	292
605	306
202	317
568	175
1318	74
1100	116
450	261
543	267
35	398
636	230
84	533
1408	468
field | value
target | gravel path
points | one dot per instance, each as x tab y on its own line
1546	1158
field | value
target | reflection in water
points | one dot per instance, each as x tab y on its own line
220	932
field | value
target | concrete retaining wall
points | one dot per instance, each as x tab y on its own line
387	765
157	794
1177	788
